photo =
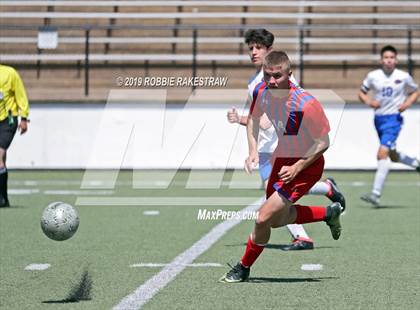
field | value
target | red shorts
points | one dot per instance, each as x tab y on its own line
300	185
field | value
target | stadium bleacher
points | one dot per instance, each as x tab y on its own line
340	40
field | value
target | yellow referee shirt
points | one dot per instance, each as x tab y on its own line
12	94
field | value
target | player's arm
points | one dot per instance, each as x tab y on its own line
22	102
243	120
363	93
288	173
413	93
233	117
365	98
409	101
252	131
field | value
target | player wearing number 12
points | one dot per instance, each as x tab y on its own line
394	91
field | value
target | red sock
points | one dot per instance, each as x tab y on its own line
251	253
310	214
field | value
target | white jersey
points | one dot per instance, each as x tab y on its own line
389	90
267	139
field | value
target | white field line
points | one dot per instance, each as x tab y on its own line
155	265
37	267
311	267
163	201
23	191
78	192
147	290
44	182
100	183
151	212
151	184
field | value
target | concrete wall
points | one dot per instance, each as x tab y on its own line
83	136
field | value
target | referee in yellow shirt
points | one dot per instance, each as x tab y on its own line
13	103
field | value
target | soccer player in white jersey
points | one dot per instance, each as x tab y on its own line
259	43
394	91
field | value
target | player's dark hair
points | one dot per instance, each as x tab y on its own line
388	48
275	58
259	36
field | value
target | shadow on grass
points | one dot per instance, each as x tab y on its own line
236	244
289	280
13	207
392	207
63	301
281	246
384	207
80	291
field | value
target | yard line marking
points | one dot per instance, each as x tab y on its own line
146	291
181	183
77	192
311	267
37	267
23	191
155	265
151	212
163	201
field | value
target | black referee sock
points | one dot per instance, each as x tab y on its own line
3	186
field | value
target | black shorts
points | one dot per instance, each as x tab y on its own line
7	132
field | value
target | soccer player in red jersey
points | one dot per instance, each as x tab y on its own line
302	129
260	42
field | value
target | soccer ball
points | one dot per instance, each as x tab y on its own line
59	221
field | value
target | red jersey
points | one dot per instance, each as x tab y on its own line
297	116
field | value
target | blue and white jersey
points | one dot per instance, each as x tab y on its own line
267	139
389	90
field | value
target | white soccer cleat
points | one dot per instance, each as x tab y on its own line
371	198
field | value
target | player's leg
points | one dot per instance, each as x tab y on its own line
301	240
310	214
296	189
278	210
276	204
380	177
3	179
8	129
399	157
388	128
329	189
396	156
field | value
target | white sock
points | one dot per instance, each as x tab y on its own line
380	176
320	188
407	160
297	231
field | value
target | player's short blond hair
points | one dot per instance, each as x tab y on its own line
277	58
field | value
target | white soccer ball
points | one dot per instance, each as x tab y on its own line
59	221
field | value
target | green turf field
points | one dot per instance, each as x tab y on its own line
374	265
